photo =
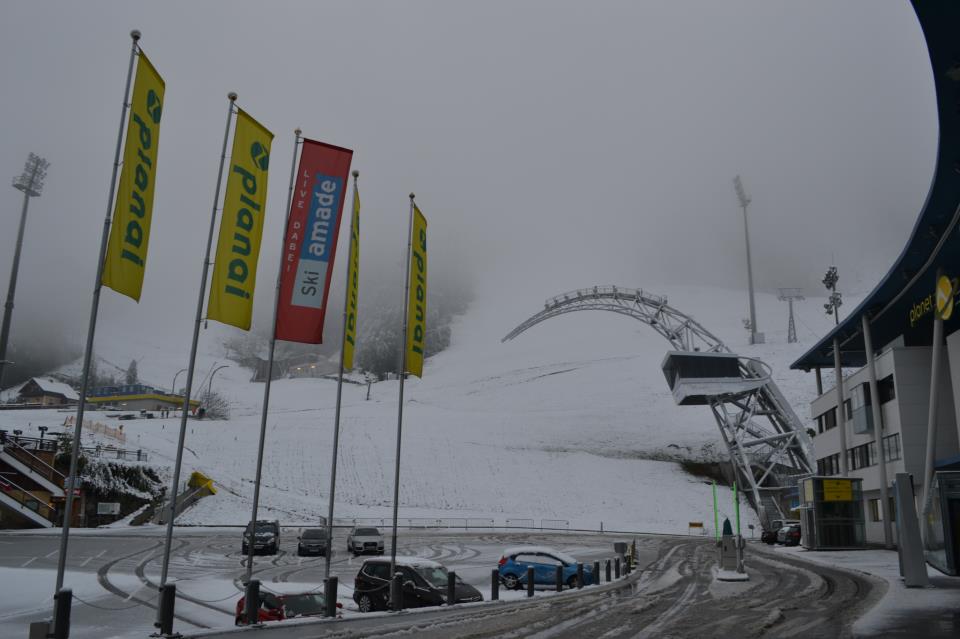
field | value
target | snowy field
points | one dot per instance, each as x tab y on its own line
572	420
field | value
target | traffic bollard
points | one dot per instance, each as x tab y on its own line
451	588
494	584
559	578
596	573
330	596
251	600
616	567
626	567
579	575
168	597
396	593
608	571
61	613
529	581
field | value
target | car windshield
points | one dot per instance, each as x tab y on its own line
366	532
314	534
263	526
436	576
302	605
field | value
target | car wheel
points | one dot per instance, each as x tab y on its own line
572	582
511	581
365	603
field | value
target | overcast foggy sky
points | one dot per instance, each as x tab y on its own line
551	145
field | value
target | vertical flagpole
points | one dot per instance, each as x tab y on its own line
336	418
172	507
266	388
403	368
94	308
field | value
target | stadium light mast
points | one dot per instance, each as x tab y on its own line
788	295
31	183
755	337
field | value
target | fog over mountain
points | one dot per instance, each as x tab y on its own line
551	145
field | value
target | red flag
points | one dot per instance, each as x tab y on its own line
319	189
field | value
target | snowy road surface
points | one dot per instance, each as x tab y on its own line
114	575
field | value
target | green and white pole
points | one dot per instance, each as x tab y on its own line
716	516
736	506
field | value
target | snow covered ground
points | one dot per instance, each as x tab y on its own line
901	608
572	420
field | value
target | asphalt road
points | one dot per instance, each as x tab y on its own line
208	569
675	595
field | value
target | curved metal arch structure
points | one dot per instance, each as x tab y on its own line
767	444
682	331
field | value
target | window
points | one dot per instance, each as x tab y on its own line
827	420
891	447
876	514
829	465
847	409
862	456
886	390
378	569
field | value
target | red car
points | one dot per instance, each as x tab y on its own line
279	606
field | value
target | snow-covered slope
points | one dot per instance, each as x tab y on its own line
572	420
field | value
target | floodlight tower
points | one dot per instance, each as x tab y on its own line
755	337
788	295
31	183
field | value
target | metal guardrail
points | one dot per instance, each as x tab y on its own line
27	499
34	463
53	445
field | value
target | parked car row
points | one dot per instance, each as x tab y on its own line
782	531
424	581
312	541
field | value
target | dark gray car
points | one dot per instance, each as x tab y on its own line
312	541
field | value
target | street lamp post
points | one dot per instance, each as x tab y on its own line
31	183
173	387
755	337
210	383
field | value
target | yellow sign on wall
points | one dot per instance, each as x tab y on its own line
837	490
944	297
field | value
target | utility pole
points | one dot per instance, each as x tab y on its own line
755	337
31	183
832	306
788	295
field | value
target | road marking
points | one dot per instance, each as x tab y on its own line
28	562
51	553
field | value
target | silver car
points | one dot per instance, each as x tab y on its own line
365	540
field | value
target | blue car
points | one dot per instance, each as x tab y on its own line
514	563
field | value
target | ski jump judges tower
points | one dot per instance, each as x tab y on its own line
768	446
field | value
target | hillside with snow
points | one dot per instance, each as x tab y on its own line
572	420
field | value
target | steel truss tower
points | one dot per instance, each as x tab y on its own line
765	440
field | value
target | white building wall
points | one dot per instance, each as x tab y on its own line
906	415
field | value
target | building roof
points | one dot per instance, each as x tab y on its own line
53	387
900	305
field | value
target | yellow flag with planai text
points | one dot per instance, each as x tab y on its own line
241	225
417	302
353	283
126	258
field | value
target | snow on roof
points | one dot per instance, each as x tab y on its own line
546	550
48	385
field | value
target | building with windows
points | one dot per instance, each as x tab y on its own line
898	352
